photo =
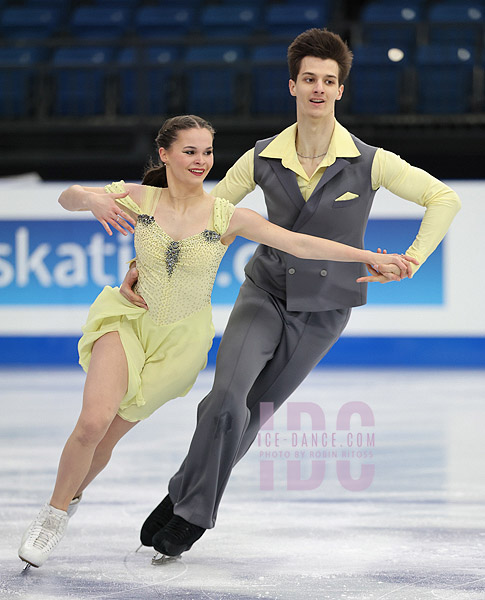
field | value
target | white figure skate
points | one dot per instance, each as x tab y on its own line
43	535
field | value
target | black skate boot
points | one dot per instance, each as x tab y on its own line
176	537
156	520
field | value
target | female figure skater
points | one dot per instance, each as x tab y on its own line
138	358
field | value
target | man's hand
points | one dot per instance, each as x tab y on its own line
393	273
375	277
126	289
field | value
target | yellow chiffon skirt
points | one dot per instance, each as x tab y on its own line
163	360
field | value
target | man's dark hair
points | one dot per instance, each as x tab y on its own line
323	44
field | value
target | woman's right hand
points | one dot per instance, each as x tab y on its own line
105	209
126	289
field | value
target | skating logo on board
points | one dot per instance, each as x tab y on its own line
300	456
59	262
69	262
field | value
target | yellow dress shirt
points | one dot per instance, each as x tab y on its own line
388	170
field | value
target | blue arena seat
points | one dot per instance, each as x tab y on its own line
57	4
162	22
212	78
45	3
32	23
445	79
377	79
192	4
269	81
229	21
391	23
127	4
99	22
80	80
150	69
254	3
420	4
456	23
291	19
17	79
62	8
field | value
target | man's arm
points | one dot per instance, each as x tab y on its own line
413	184
126	288
238	181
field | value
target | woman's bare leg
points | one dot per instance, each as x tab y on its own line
105	387
118	428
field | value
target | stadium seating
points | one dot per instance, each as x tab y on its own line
151	70
456	23
212	76
32	23
126	4
80	80
100	22
377	79
160	22
229	56
17	76
391	23
229	21
289	20
269	81
45	3
445	79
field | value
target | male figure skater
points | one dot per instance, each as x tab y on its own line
319	179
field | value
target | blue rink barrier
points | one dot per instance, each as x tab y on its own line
431	352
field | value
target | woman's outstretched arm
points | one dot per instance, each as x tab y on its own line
102	204
252	226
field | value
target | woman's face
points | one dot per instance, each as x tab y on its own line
190	158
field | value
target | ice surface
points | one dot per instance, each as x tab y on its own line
416	533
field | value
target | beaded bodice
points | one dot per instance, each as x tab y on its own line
175	277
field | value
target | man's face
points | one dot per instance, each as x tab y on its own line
316	88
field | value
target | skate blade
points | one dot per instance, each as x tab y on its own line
27	566
163	559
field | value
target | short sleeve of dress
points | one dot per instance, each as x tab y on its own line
118	187
223	211
150	199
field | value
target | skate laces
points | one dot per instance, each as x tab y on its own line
47	532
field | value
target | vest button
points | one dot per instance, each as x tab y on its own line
323	272
291	271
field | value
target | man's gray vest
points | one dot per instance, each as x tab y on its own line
314	285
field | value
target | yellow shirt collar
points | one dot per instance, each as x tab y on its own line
284	148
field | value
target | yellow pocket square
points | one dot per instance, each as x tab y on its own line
346	196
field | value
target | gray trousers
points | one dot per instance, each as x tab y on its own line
265	353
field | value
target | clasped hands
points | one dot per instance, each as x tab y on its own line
398	269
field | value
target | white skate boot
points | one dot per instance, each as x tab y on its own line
43	535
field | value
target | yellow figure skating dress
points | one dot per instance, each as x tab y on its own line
166	346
